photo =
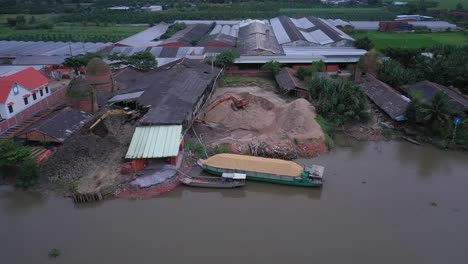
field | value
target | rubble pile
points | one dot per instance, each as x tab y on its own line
91	159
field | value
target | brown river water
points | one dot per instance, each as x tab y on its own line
382	202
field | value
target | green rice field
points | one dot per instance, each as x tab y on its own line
342	13
383	40
446	4
66	32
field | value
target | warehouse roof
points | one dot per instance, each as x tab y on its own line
208	22
48	48
231	30
171	91
39	60
227	40
428	89
307	29
60	124
176	52
6	70
186	36
146	37
385	97
155	142
257	38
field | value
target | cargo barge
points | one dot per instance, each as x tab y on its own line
264	169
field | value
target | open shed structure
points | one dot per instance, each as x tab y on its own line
56	127
428	89
385	97
289	84
173	94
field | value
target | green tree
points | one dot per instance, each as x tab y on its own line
338	102
392	73
273	66
75	63
226	57
11	21
439	114
18	157
364	43
143	60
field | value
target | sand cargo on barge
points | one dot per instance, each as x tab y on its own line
264	169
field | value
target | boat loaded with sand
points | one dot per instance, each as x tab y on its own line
227	180
264	169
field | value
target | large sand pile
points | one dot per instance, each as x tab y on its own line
267	120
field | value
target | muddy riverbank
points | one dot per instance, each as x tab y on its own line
382	202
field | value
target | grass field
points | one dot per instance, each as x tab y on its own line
446	4
340	12
66	32
383	40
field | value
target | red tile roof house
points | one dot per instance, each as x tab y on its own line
19	92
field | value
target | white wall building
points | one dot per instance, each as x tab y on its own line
22	90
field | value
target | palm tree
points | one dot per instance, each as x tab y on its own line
439	113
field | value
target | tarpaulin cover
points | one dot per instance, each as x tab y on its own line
257	164
154	177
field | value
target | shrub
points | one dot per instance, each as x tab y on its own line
273	66
364	43
223	148
340	102
13	155
226	57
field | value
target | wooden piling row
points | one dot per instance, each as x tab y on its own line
87	197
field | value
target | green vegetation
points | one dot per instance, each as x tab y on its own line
302	73
54	253
174	28
447	66
233	81
77	62
344	13
436	120
395	75
226	58
143	60
273	66
382	40
364	43
442	4
45	28
338	102
223	148
326	128
17	159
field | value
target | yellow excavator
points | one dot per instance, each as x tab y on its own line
107	114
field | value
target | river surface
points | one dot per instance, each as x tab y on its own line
382	202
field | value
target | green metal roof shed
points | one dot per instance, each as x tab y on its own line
155	142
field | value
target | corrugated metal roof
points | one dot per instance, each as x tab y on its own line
155	142
216	30
126	97
146	37
6	70
208	22
365	25
48	48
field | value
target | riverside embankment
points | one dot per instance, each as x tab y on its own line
382	202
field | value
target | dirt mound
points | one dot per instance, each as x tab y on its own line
267	121
91	159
